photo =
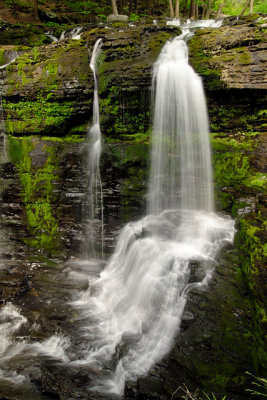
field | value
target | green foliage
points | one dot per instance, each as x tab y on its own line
234	7
260	385
88	8
34	116
212	396
37	194
2	57
134	17
232	161
250	241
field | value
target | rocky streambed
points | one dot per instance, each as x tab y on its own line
42	277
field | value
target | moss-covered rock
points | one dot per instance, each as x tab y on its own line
240	188
22	34
231	56
47	88
125	71
51	87
232	63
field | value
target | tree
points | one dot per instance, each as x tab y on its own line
248	3
219	12
177	8
35	8
171	9
114	7
192	9
208	12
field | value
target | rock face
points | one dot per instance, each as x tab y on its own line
52	86
48	89
232	57
117	17
125	77
232	62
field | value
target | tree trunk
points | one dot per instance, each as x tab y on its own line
244	9
204	11
208	10
219	12
35	8
114	7
171	9
196	10
148	7
251	6
177	8
192	9
183	11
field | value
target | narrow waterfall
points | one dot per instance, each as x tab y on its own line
95	195
1	108
130	315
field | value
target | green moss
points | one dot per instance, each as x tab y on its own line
37	194
137	137
231	168
201	63
73	138
18	34
250	240
79	129
245	58
123	69
235	121
2	57
28	117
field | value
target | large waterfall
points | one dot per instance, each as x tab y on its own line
131	314
127	318
181	175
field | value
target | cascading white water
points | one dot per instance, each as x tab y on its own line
131	314
181	176
95	184
74	34
128	318
14	383
1	108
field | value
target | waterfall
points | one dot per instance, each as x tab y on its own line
129	317
180	175
74	34
94	183
1	108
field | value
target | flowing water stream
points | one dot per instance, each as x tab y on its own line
127	319
95	192
131	314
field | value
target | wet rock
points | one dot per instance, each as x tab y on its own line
55	82
231	56
117	17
